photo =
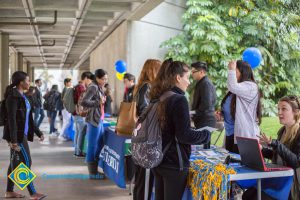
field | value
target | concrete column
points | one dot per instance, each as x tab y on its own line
25	64
13	62
20	61
17	62
30	71
4	62
32	74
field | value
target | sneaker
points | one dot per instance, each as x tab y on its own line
57	133
64	139
52	135
79	155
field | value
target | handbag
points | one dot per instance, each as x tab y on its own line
127	118
15	158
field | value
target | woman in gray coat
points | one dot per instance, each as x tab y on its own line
94	100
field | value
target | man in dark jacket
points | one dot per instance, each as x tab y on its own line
129	83
37	103
204	99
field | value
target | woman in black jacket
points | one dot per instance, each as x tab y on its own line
141	94
19	128
285	150
171	174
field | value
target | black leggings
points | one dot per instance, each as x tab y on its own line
25	157
169	183
139	185
229	144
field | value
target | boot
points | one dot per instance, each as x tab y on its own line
93	168
93	171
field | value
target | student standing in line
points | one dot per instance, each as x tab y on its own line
141	95
109	99
245	102
65	114
129	83
18	130
171	174
94	99
81	112
204	99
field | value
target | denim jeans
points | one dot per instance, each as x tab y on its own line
66	124
52	115
94	136
80	134
38	116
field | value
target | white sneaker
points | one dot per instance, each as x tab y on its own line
62	138
52	135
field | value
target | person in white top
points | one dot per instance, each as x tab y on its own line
246	100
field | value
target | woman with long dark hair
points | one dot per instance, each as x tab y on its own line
171	174
94	100
19	129
241	106
141	94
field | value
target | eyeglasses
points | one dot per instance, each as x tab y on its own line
193	72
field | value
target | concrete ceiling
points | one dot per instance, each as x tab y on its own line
65	41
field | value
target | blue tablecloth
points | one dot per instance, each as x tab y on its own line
112	162
112	157
278	188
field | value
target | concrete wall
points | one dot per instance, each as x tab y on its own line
113	48
136	41
146	35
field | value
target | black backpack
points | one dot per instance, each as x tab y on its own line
50	102
3	113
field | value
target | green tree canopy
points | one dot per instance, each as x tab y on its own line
217	31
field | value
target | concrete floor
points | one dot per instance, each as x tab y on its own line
54	157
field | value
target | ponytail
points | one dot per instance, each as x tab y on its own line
16	78
8	90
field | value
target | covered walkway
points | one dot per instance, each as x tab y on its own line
55	167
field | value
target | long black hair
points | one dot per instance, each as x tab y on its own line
246	75
16	79
99	73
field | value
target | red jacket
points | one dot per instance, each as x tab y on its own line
78	90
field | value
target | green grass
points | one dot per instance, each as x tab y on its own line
269	125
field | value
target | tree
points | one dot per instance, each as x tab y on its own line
46	78
217	31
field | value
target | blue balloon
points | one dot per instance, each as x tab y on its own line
253	56
121	66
